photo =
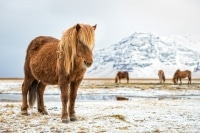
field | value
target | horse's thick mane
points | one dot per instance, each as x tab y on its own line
67	44
176	74
118	74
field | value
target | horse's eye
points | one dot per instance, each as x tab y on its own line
81	45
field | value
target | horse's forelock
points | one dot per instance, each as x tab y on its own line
86	35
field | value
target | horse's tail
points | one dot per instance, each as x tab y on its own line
33	93
127	77
174	79
190	76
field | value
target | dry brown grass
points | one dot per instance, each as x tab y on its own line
138	83
142	83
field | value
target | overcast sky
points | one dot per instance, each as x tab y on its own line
23	20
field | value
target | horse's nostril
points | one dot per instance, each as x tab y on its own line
87	64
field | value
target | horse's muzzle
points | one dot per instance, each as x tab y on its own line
87	64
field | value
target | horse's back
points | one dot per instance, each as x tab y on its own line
37	43
188	71
42	58
125	74
122	74
183	74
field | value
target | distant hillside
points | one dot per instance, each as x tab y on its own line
143	54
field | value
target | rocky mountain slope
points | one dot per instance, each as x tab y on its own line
143	54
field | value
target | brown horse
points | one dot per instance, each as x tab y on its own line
161	76
62	62
181	74
121	75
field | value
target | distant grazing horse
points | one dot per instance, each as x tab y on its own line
161	76
57	62
181	74
121	75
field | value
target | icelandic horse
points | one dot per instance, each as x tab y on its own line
181	74
161	76
50	61
121	75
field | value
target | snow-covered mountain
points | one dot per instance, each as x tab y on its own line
143	54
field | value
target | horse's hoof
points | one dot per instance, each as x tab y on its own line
65	120
44	112
73	119
25	113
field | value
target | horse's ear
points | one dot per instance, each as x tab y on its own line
78	27
95	26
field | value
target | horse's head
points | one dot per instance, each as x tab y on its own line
176	76
77	42
116	79
118	76
85	43
174	80
85	53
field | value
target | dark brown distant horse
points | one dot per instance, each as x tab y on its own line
121	75
181	74
161	76
57	62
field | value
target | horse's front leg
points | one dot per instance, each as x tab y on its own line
73	94
64	98
189	80
180	81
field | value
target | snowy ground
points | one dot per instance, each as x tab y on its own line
151	108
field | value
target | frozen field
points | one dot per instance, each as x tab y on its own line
151	107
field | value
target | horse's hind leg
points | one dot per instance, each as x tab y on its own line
40	99
189	80
180	81
25	88
127	79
